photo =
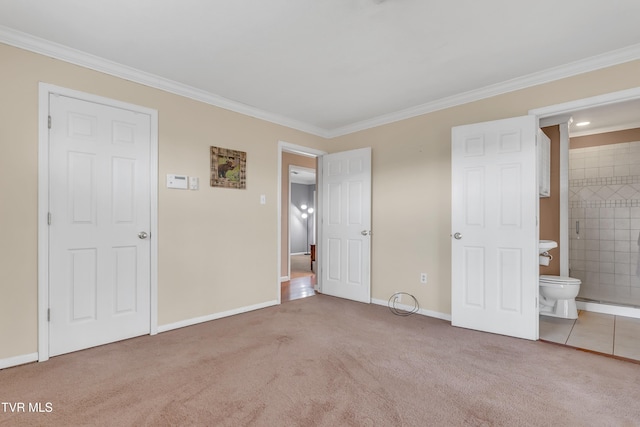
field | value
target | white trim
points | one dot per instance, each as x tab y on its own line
554	120
594	101
153	239
83	59
320	230
44	90
288	223
422	311
215	316
559	113
43	227
616	310
279	225
18	360
300	149
303	151
564	198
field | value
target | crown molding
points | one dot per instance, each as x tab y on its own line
55	50
44	47
615	57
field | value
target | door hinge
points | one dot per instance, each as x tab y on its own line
48	218
48	315
49	122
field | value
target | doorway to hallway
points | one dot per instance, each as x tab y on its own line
303	279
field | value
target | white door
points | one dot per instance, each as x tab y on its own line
346	225
494	227
99	201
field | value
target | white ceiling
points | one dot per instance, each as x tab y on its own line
300	175
607	118
331	66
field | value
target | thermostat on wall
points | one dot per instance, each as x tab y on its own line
177	181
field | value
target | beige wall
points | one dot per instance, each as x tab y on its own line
289	159
412	181
206	237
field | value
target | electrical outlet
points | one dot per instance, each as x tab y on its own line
423	277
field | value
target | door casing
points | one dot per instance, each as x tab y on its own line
309	152
560	114
45	90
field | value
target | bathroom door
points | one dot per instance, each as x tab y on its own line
494	227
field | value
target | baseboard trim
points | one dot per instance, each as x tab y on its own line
18	360
202	319
422	311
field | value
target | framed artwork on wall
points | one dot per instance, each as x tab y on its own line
228	168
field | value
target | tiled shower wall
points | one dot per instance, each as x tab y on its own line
604	221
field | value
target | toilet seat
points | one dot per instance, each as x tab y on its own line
559	280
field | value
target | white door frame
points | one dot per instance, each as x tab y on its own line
45	90
560	114
309	152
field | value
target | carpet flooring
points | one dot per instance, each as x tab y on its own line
324	361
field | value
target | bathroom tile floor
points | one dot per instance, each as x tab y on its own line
603	333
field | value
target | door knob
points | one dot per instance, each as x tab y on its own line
365	232
143	235
457	236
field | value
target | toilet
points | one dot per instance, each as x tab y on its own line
558	296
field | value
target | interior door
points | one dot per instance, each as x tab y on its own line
346	225
99	203
494	227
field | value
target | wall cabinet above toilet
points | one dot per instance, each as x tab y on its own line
544	165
